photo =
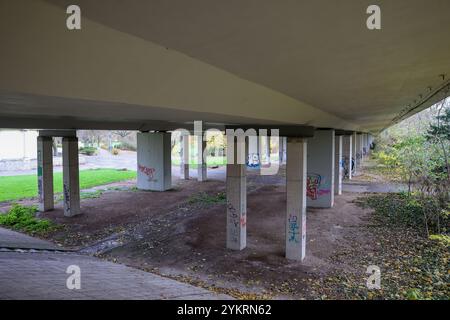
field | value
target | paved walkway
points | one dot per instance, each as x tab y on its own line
41	274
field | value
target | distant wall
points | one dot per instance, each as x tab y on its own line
18	144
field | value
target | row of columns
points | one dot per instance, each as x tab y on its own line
314	173
71	185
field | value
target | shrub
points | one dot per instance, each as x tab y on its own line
23	218
126	146
415	210
88	151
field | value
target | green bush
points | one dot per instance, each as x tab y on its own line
126	146
414	210
23	218
88	151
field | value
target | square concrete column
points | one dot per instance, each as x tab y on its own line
184	163
354	151
264	144
154	161
71	180
347	155
296	198
320	179
338	165
236	185
45	173
366	145
280	150
202	170
357	150
361	146
252	154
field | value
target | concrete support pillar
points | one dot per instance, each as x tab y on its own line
284	149
236	185
347	155
296	167
45	173
280	150
264	149
202	170
252	154
184	163
338	169
320	179
361	148
154	161
71	180
354	151
358	150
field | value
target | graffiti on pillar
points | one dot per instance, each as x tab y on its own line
40	190
66	197
293	229
253	160
149	172
235	222
40	178
316	186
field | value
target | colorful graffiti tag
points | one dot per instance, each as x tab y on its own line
149	172
293	229
315	186
253	160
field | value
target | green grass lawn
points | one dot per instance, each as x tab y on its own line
25	186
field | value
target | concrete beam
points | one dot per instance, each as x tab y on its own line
283	130
71	182
57	133
296	167
45	173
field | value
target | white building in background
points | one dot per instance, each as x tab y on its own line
18	144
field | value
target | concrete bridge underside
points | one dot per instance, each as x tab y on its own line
310	68
155	64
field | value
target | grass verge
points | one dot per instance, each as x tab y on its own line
25	186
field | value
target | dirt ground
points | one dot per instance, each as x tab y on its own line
181	235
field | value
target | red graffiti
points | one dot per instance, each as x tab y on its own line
312	186
243	221
147	171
